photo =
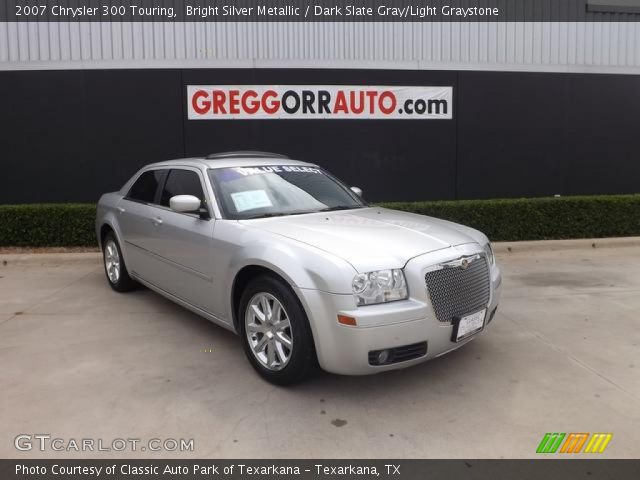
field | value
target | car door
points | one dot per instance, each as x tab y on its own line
183	242
136	217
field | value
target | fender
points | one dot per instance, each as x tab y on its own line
302	266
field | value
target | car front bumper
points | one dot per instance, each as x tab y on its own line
345	349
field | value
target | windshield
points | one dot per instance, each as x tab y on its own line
274	190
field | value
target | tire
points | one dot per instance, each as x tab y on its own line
114	266
268	340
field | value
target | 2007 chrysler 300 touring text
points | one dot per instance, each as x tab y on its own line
298	264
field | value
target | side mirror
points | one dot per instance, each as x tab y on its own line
185	204
357	191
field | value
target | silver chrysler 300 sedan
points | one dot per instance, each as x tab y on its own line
298	264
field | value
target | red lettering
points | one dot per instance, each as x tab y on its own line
341	103
273	106
371	95
352	99
200	107
234	102
218	102
391	108
249	102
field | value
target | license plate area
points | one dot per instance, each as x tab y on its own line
469	325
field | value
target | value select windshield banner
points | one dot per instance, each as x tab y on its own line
263	102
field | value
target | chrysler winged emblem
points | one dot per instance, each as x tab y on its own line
462	263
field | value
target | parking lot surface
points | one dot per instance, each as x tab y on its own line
81	361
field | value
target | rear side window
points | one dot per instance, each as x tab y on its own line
182	182
145	188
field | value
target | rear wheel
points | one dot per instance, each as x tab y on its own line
114	266
275	332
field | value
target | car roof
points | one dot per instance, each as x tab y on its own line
227	160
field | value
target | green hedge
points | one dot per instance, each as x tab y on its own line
66	225
48	225
539	218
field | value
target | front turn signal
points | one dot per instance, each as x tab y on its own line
346	320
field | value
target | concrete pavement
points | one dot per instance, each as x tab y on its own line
81	361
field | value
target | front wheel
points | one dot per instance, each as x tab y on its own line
275	332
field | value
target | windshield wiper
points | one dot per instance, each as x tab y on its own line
303	212
279	214
341	207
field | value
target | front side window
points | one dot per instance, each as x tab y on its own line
145	187
181	182
274	190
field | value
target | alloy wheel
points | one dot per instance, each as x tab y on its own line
112	261
268	331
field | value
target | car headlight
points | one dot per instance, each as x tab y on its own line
489	251
379	287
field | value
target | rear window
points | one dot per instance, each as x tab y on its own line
145	187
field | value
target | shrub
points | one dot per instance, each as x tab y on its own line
48	225
67	225
539	218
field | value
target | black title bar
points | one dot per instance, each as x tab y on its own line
319	10
159	469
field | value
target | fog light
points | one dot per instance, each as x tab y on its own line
383	356
404	353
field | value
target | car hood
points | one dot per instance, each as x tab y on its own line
370	238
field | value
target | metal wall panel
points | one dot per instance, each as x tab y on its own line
585	46
84	132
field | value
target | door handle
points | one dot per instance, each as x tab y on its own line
120	210
156	221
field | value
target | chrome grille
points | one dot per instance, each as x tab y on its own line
457	291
